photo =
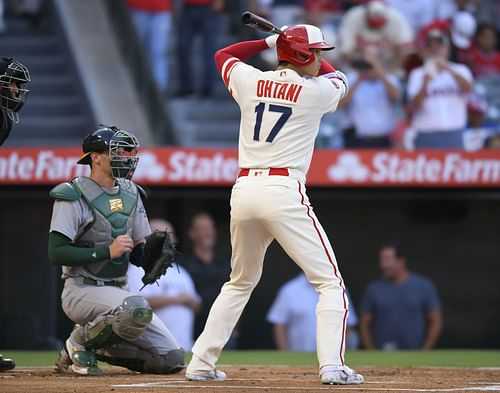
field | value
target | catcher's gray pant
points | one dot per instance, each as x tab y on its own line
90	304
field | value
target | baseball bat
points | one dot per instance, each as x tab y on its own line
259	23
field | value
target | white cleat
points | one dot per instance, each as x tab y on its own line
340	375
214	375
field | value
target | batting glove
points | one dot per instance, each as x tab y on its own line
271	40
342	77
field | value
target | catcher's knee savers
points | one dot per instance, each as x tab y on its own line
169	363
128	321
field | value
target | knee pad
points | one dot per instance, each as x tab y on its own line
128	321
169	363
131	317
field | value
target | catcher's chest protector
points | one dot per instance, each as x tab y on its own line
113	216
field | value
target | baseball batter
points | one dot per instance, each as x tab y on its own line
280	116
98	224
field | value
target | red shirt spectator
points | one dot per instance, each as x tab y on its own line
151	5
323	5
460	30
485	59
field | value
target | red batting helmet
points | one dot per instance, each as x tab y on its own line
294	44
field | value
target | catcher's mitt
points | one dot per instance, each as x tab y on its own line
159	254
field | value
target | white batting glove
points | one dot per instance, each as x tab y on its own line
343	78
271	40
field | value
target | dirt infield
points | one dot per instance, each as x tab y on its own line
254	379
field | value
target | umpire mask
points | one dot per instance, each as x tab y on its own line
14	78
123	148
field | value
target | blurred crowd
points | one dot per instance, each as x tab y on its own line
399	310
423	73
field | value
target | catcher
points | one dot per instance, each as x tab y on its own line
98	225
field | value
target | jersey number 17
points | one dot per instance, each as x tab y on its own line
285	111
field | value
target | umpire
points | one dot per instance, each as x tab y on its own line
98	224
14	78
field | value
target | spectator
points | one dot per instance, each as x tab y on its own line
379	29
153	20
437	94
493	142
418	13
460	29
485	58
173	298
208	268
294	322
371	105
287	12
402	309
197	18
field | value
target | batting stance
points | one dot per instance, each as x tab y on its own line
98	224
14	79
280	116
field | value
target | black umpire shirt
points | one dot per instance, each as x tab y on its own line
5	126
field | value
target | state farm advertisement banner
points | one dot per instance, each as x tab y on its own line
219	167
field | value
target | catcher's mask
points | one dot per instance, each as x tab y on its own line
122	147
294	44
14	78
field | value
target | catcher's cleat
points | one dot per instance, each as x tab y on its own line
6	364
214	375
83	362
340	375
63	362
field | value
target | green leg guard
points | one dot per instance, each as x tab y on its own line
127	322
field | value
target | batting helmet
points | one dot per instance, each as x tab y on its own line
294	44
121	145
14	78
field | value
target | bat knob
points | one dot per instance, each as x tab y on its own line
247	17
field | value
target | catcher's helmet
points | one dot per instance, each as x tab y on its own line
294	44
14	78
121	145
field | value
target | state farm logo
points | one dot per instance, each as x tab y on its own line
348	167
149	167
185	167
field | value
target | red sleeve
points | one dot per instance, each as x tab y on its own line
326	68
241	50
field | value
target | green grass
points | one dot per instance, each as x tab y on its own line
437	358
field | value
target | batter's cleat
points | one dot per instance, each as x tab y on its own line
83	362
340	375
214	375
63	362
6	364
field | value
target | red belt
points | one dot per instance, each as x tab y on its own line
270	172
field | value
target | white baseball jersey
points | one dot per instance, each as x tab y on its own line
280	114
445	105
178	318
